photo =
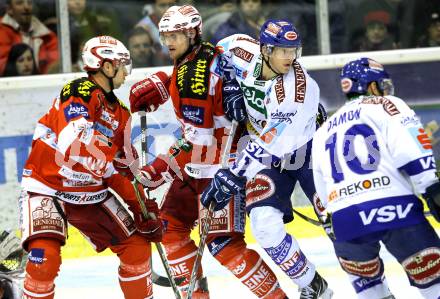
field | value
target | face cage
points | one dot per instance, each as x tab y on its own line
296	55
386	86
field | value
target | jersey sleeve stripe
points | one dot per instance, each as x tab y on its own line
418	166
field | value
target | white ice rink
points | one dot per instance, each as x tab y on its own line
96	277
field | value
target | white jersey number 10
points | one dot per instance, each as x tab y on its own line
349	152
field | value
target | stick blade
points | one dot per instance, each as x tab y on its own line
164	281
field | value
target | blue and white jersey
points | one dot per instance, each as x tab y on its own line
370	159
281	111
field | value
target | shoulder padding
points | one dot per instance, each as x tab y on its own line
208	48
80	88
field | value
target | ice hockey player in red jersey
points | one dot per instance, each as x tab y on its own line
67	177
196	93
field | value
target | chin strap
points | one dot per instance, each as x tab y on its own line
110	96
268	64
110	80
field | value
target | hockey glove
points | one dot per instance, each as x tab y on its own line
223	186
152	228
432	197
151	176
321	116
324	217
163	169
124	162
166	167
8	244
233	101
155	174
148	94
328	226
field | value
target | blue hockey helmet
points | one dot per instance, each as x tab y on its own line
358	74
279	33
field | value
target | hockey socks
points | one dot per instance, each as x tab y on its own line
134	269
268	228
256	275
42	268
181	263
366	287
289	257
247	265
135	280
181	256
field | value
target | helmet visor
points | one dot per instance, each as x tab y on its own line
387	87
286	53
173	37
124	63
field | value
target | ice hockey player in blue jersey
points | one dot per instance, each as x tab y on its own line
269	90
371	161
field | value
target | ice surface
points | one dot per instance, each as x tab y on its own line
96	277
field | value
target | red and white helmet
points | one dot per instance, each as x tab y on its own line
180	18
105	48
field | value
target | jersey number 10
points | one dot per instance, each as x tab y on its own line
349	152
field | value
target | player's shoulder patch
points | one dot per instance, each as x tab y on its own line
81	87
238	40
244	48
242	54
389	106
246	39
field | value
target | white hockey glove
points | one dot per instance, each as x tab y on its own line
8	244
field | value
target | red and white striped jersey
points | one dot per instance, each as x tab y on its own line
75	142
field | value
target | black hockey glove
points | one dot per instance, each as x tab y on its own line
328	227
233	101
321	116
223	187
432	197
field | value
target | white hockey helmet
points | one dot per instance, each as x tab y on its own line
181	18
99	49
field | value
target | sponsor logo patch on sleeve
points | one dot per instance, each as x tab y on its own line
193	114
36	255
421	138
75	110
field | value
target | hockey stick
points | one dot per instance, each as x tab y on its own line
157	279
207	223
160	250
164	281
307	218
